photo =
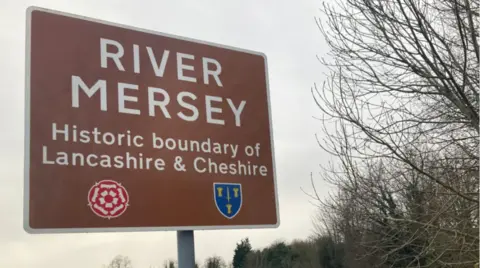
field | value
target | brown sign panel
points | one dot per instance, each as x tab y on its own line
131	130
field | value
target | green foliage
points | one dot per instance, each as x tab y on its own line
331	254
316	252
305	254
278	255
241	252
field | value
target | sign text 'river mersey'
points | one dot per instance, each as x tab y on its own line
158	100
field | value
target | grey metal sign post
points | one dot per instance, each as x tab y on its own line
186	249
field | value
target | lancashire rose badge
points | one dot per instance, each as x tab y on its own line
108	199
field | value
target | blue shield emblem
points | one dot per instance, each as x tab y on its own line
228	198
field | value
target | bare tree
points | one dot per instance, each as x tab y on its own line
120	261
403	98
404	80
215	262
169	264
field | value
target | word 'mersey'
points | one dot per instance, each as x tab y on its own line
159	98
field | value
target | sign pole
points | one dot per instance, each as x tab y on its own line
185	249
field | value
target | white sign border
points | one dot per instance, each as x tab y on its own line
26	199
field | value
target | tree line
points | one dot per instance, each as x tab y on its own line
400	118
315	252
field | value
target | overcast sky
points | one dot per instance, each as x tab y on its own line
284	30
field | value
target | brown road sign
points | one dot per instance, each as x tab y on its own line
133	130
